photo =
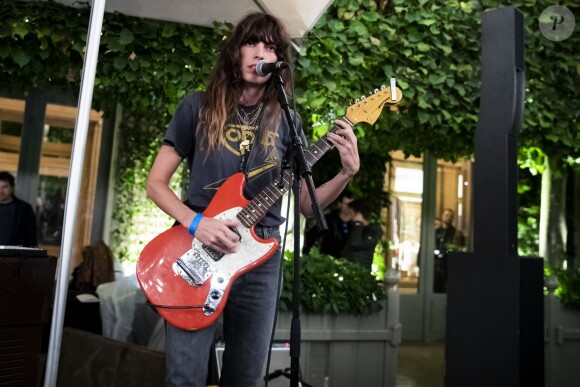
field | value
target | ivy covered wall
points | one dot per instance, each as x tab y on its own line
432	48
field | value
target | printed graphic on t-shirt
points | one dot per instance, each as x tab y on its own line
236	135
239	140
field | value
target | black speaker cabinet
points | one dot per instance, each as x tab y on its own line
495	321
26	294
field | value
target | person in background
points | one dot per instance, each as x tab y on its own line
444	235
363	236
437	223
331	241
18	225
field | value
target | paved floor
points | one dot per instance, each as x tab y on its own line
420	364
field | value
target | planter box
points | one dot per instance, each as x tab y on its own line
348	350
562	339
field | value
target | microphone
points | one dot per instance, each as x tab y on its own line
264	68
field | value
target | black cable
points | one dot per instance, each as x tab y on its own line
174	306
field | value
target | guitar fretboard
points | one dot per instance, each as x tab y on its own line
257	208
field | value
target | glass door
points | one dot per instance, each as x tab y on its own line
404	181
429	215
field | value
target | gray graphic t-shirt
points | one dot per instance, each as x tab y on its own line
262	163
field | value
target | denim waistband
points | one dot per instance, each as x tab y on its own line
267	231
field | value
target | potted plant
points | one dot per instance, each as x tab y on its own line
562	322
349	333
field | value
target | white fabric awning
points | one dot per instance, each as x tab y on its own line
299	16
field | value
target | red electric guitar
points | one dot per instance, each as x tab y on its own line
188	282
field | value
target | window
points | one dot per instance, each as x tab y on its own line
53	169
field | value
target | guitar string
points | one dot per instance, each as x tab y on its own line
248	212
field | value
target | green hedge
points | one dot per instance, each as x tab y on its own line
331	286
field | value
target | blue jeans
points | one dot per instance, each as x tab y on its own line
247	322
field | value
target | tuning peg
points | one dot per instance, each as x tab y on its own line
393	89
383	87
362	97
357	100
376	91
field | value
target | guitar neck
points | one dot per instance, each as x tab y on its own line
259	206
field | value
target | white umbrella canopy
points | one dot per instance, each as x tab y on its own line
299	16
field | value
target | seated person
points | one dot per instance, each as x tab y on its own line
363	236
331	241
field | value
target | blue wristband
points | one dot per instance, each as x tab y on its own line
195	223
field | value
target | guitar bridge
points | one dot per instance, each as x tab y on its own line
192	268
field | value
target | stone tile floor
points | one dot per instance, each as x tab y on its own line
421	364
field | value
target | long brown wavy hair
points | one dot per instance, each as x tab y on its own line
225	85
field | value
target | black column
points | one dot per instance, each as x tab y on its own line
494	298
495	169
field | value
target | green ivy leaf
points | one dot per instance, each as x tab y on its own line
20	57
114	45
4	49
427	22
21	29
119	63
193	44
335	25
130	76
371	16
168	30
375	41
357	28
446	49
423	47
355	60
317	102
437	79
126	37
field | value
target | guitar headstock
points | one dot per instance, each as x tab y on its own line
368	109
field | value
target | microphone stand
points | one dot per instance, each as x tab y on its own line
301	169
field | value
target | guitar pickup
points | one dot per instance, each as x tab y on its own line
193	268
216	255
213	254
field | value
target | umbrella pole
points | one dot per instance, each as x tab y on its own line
73	188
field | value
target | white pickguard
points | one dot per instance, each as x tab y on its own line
248	250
